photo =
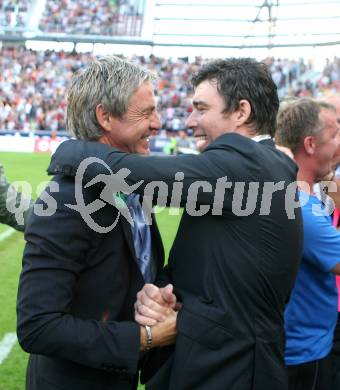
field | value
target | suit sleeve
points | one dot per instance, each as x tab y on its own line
171	181
54	257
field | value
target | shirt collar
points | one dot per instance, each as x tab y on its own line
261	137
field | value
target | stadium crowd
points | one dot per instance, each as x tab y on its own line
114	17
13	13
33	86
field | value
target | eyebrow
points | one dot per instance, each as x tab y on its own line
196	103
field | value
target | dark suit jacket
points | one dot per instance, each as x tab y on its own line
233	272
76	294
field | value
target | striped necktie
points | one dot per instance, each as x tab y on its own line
141	237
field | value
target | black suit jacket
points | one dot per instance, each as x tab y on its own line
233	271
76	294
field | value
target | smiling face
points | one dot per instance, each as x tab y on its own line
131	132
207	120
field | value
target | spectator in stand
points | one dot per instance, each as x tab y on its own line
182	140
310	129
331	73
13	13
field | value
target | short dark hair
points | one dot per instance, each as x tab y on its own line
298	119
244	78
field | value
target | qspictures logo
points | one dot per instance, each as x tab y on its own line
197	197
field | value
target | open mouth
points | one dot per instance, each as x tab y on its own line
201	141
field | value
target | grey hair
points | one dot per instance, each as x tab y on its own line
109	81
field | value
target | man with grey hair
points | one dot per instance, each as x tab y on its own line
78	284
310	129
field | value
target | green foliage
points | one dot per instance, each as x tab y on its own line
32	168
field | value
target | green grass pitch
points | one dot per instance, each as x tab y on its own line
32	168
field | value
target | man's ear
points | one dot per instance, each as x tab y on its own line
104	118
243	112
309	144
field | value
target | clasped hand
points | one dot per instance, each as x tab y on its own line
157	307
155	304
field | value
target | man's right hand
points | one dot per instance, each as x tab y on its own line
154	304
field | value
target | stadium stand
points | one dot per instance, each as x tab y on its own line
33	85
13	13
114	17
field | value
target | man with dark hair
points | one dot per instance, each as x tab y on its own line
311	131
232	267
9	196
238	79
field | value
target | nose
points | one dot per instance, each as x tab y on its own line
338	143
190	122
155	123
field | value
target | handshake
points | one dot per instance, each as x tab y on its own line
156	311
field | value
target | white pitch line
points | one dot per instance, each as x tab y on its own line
7	233
6	345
